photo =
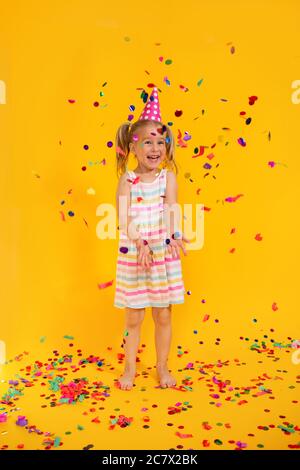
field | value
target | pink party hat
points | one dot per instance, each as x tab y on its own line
151	110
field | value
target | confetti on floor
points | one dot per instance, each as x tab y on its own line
71	401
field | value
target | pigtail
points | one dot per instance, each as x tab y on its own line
122	148
170	150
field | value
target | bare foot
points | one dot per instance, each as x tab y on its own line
126	380
165	378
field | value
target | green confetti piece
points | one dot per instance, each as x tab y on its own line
79	427
126	333
43	339
199	82
168	62
218	442
260	446
286	429
68	337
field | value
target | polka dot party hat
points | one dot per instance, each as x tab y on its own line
151	110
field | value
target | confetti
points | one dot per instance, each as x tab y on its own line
103	285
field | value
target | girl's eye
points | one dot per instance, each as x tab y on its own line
148	141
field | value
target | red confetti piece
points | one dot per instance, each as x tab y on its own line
274	306
252	100
119	150
62	215
183	436
96	420
206	426
201	152
182	87
180	142
258	237
134	181
105	284
206	317
71	101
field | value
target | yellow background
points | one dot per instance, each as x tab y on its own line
51	52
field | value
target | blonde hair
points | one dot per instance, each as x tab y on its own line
124	137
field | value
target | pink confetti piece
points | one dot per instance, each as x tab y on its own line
233	198
3	417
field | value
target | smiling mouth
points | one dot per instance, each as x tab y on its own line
153	158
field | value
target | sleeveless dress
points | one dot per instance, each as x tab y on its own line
162	283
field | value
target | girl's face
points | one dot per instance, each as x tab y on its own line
150	148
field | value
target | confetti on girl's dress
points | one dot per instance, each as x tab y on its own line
134	180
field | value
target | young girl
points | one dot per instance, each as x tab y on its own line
149	270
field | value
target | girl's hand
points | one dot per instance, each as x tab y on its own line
144	257
175	245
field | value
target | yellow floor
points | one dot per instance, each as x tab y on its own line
249	401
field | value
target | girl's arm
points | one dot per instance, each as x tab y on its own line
171	198
127	224
174	218
123	197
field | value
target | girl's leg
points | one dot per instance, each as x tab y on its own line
133	321
163	334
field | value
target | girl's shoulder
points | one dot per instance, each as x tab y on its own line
124	181
170	175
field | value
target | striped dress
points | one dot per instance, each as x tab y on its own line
162	283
